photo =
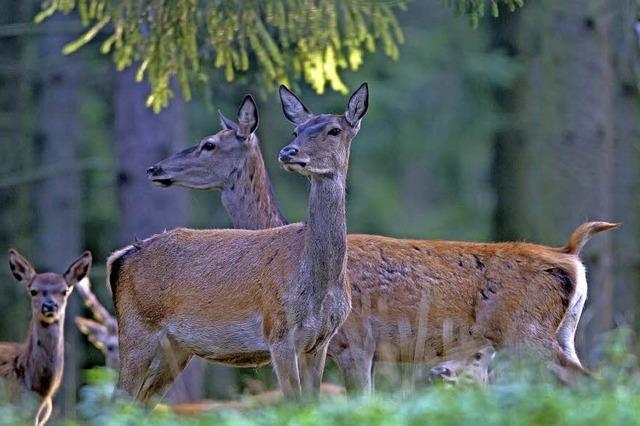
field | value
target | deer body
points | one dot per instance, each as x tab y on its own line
414	299
37	364
244	297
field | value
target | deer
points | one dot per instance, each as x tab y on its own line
102	330
245	297
37	364
464	366
410	295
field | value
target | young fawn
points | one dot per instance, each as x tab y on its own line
37	364
245	297
412	299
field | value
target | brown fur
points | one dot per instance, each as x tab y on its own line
37	364
245	297
433	292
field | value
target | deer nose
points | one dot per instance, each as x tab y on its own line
154	170
439	372
287	153
48	307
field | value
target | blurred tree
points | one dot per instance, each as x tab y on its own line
285	39
58	197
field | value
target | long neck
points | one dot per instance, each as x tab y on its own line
249	199
326	234
43	359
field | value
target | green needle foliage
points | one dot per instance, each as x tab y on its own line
276	41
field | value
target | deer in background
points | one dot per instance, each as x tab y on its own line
464	366
37	364
245	297
102	331
410	296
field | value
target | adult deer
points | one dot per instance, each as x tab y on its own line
37	364
102	331
410	296
245	297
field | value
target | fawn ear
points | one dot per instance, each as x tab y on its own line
95	332
226	122
293	108
247	117
78	269
358	105
21	269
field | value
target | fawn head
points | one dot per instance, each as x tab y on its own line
212	163
469	368
102	337
321	142
49	291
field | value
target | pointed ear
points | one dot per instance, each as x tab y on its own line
226	122
78	269
358	105
20	267
247	117
293	108
95	332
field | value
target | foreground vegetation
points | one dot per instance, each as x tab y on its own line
520	396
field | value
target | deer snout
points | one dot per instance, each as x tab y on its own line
154	170
439	372
288	153
49	308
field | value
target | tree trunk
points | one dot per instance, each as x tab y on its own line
143	138
58	197
562	157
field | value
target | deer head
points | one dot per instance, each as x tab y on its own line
213	163
465	368
49	291
321	142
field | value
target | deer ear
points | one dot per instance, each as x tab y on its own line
358	105
78	269
293	108
20	267
226	122
247	117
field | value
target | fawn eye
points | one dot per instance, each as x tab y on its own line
64	292
294	134
209	146
477	356
33	292
335	131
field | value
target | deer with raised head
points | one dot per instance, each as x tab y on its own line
37	364
245	297
409	296
102	331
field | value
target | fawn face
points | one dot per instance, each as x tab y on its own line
213	163
470	368
48	291
321	142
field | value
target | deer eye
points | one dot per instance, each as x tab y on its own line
209	146
335	131
33	292
294	134
477	356
64	292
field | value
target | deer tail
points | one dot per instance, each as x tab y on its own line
584	232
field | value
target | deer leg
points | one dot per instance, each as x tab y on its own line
311	369
137	351
357	369
285	362
44	412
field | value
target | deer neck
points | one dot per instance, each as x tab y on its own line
43	359
326	233
249	198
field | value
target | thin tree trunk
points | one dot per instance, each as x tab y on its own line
58	199
143	138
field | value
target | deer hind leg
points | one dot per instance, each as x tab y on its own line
168	362
44	412
311	367
285	363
